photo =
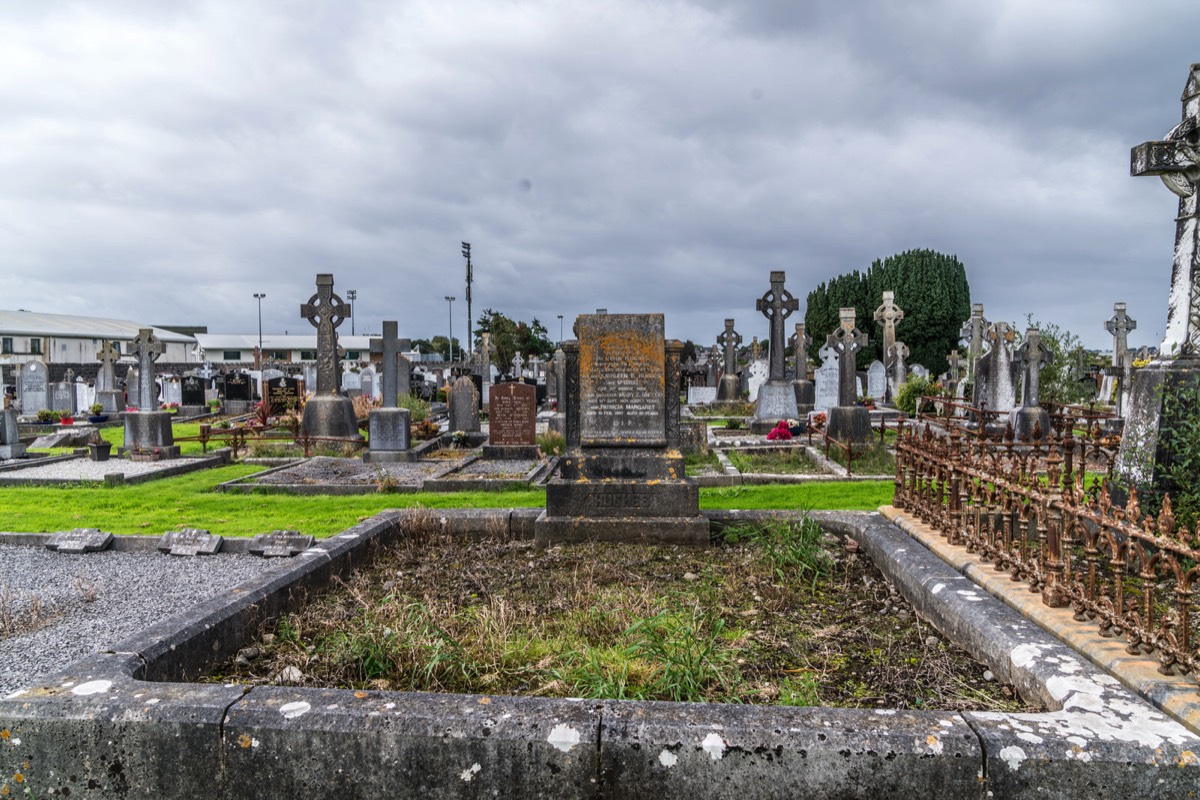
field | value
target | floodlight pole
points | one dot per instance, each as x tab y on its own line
560	316
450	301
466	251
259	297
351	295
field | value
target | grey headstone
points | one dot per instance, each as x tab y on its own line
189	542
877	380
759	371
80	540
279	544
464	406
33	386
388	429
701	395
63	398
825	381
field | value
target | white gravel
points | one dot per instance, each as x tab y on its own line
95	600
84	469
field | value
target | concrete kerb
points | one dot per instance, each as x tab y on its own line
99	730
195	463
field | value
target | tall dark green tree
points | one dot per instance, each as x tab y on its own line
932	289
510	337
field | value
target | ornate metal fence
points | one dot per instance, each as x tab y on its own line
1041	511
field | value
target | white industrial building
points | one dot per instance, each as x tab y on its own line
66	339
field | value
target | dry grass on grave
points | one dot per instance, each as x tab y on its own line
782	615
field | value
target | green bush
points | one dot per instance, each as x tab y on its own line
418	409
912	390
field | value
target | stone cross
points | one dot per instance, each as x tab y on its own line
388	347
1119	326
777	305
517	364
957	365
754	349
714	356
973	331
1033	355
70	374
799	344
1176	160
845	342
325	311
889	314
730	340
106	378
147	348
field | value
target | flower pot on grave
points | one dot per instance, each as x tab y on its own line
96	419
99	452
66	421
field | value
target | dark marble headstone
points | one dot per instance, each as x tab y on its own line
189	542
279	544
236	386
622	478
191	390
283	393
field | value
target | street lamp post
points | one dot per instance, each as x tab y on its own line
466	251
450	301
351	295
560	330
259	297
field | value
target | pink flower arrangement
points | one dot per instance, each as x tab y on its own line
780	432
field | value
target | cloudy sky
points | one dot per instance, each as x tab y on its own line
162	161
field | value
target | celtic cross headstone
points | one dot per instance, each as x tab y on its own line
147	349
325	311
845	342
777	305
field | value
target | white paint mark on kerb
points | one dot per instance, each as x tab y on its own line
92	687
469	773
1032	738
153	701
1013	756
668	759
563	737
937	587
714	745
293	710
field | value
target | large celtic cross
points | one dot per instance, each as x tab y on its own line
730	340
777	305
325	311
147	348
889	314
845	342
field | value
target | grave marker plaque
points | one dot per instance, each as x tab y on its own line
279	544
189	542
80	540
621	380
512	415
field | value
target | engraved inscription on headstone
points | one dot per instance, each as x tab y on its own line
512	414
283	393
622	401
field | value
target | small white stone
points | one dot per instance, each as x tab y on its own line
563	737
668	759
293	710
988	675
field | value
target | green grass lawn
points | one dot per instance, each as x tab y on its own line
191	501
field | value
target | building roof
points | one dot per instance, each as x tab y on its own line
294	341
66	326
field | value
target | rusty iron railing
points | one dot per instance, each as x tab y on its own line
1040	510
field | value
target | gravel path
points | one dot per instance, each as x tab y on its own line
93	601
497	468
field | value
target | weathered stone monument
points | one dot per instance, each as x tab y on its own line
730	388
957	365
877	381
1119	325
512	422
622	478
897	367
388	433
1030	417
148	428
107	393
1162	402
848	422
327	414
888	315
33	387
994	383
802	386
973	332
463	404
10	437
776	397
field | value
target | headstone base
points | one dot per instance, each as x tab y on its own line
149	430
806	396
849	424
729	390
693	436
776	401
330	416
113	401
8	451
1162	399
389	456
558	423
549	530
1024	420
513	452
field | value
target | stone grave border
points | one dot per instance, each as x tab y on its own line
39	460
215	458
734	477
124	721
445	482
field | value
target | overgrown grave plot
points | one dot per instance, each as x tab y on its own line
790	460
777	614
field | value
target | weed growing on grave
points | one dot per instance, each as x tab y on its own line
552	443
701	463
874	459
793	461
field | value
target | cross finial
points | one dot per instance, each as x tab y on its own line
777	305
147	348
730	340
1033	355
325	311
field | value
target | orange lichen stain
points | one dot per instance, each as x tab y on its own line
4	791
5	735
360	695
1187	759
18	777
483	701
244	741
